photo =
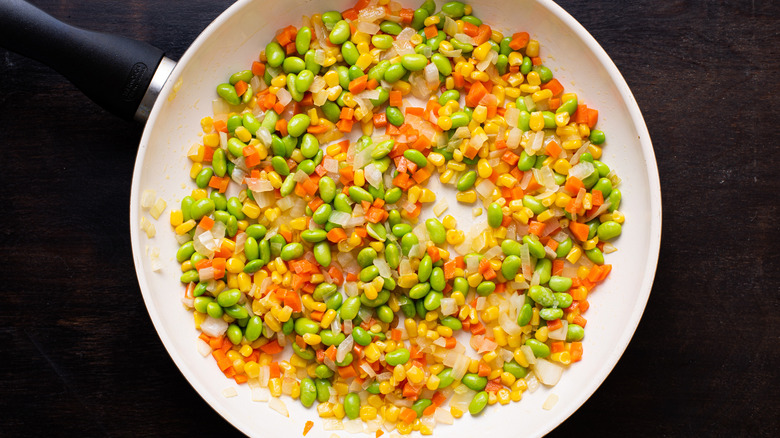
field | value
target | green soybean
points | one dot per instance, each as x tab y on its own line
541	295
228	92
479	401
574	333
540	349
323	390
419	290
494	215
393	255
236	311
349	310
398	356
314	236
535	247
254	328
393	195
432	301
352	405
486	288
454	9
292	251
321	252
550	314
308	392
515	369
340	33
445	378
609	230
202	207
597	137
437	280
425	268
415	157
302	40
444	66
614	200
560	284
467	180
474	381
414	62
544	268
228	297
595	255
436	231
511	266
563	300
274	54
570	106
395	116
394	73
564	248
511	247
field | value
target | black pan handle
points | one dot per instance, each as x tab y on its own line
113	71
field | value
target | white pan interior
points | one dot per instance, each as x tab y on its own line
235	39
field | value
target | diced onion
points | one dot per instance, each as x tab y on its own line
549	373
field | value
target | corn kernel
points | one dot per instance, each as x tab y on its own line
537	121
177	217
574	255
618	217
185	227
468	197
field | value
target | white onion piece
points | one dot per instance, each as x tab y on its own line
344	348
549	373
366	27
279	406
373	175
213	326
560	333
463	38
259	184
283	96
582	170
339	217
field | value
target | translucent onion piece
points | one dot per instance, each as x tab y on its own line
283	96
549	373
366	27
279	406
344	348
463	38
339	218
213	326
582	170
373	175
259	184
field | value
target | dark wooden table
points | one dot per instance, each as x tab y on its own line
80	354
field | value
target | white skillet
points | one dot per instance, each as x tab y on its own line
232	42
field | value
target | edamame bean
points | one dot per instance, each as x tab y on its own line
236	311
292	251
334	302
322	214
511	247
366	256
359	194
294	65
448	96
574	333
535	247
352	405
479	401
349	52
444	66
597	137
432	301
390	27
302	40
327	188
368	273
393	255
349	310
525	314
228	297
494	215
382	42
297	126
550	314
361	336
420	405
595	255
234	334
445	378
340	33
534	204
415	157
436	231
486	288
321	252
228	92
564	248
609	230
280	166
560	284
544	268
214	310
414	62
185	252
305	325
399	230
377	231
202	207
394	73
541	295
323	390
418	18
308	392
203	177
398	356
274	54
467	180
563	300
200	304
394	116
385	314
474	382
393	195
314	236
570	106
425	268
419	290
614	200
540	349
510	267
515	369
382	149
438	283
604	185
453	9
341	202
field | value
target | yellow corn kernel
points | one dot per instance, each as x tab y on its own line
370	291
572	144
532	49
474	279
372	352
243	134
520	358
618	217
506	180
503	396
211	140
275	386
468	197
399	373
562	166
312	339
541	95
364	60
562	119
411	326
414	193
177	217
574	255
385	387
407	280
328	318
415	375
444	122
449	222
232	281
275	179
537	121
298	223
251	209
185	227
583	129
195	169
520	385
545	216
516	396
459	298
272	214
403	86
446	176
595	151
490	314
234	265
436	159
483	168
325	410
186	266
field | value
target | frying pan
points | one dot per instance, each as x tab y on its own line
135	81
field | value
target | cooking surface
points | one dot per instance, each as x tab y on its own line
81	354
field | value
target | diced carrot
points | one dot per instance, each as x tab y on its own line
581	115
406	15
279	108
557	267
415	111
358	84
241	88
476	93
494	385
206	223
336	235
434	253
597	198
573	185
458	79
535	227
380	120
536	60
258	68
286	234
580	321
554	324
347	372
519	40
553	149
554	103
450	343
483	369
575	351
510	158
553	85
407	415
483	34
336	274
281	126
372	84
579	230
350	14
592	117
396	98
344	125
431	31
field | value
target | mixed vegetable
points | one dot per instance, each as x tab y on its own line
305	231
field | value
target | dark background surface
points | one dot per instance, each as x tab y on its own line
80	354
